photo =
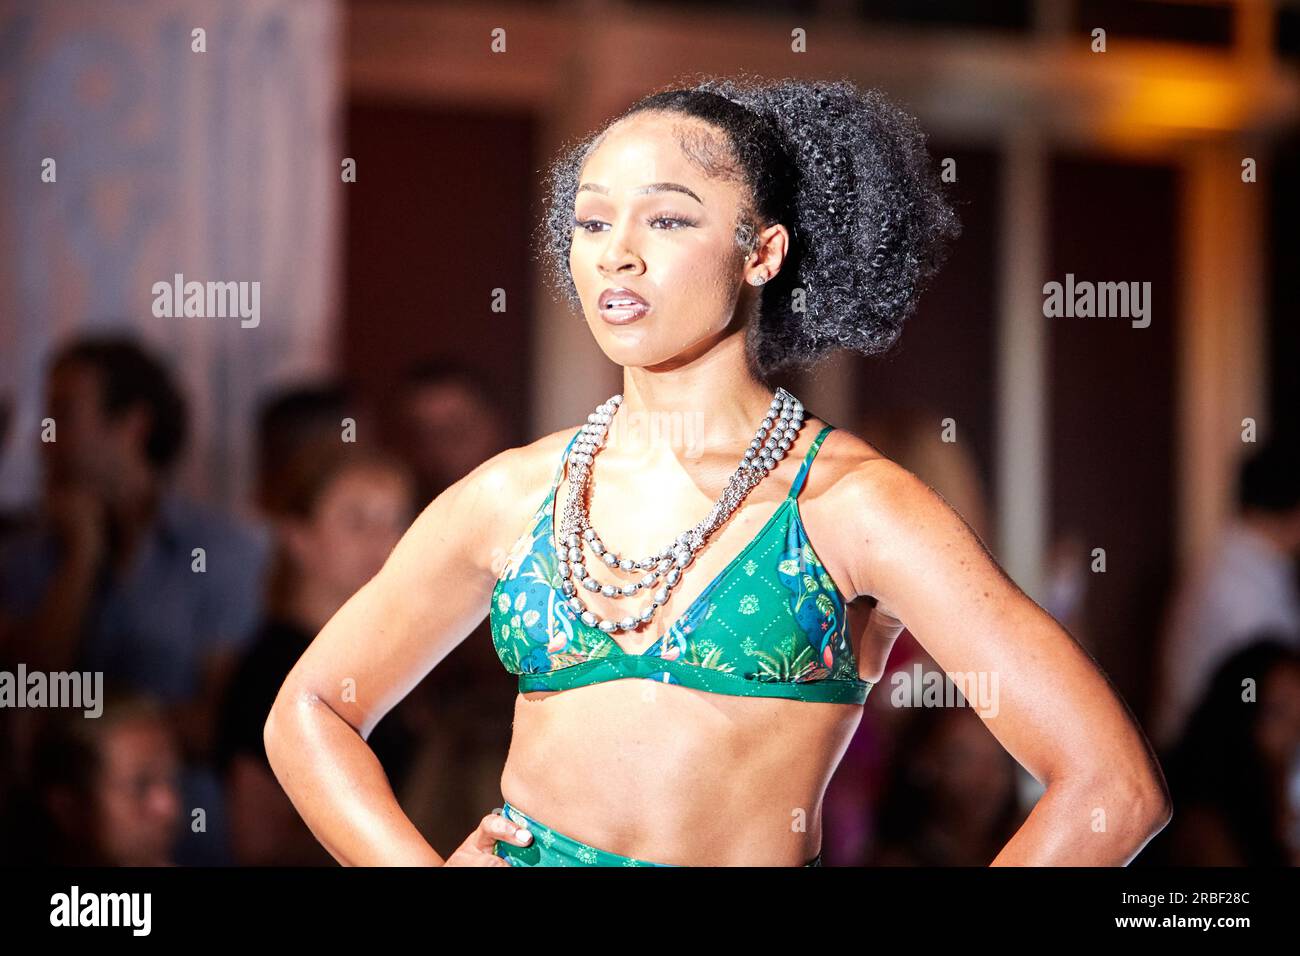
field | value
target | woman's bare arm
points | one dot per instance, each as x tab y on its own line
430	594
1047	703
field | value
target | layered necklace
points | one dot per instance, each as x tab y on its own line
663	570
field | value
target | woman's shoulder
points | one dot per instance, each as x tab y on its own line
854	468
513	482
522	469
849	469
859	499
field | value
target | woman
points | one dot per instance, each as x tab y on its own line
338	510
1233	770
104	791
710	236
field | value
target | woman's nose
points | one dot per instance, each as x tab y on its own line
619	252
622	264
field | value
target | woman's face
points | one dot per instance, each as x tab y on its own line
356	522
137	795
648	220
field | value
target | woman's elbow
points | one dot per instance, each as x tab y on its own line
1139	796
1163	810
279	733
1149	796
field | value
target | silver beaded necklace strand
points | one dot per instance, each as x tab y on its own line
775	436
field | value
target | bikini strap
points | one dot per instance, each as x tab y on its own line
559	469
797	485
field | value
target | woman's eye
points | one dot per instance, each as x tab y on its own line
673	223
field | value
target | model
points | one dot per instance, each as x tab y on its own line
709	577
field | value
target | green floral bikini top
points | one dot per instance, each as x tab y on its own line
771	624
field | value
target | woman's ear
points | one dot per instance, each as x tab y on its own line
770	248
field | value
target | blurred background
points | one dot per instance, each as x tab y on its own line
376	168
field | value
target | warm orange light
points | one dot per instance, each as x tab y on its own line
1186	102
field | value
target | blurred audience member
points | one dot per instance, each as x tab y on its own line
447	422
296	417
104	791
1247	585
1233	773
8	522
113	578
913	438
340	511
951	798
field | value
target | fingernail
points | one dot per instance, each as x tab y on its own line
523	834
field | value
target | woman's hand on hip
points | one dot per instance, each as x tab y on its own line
477	850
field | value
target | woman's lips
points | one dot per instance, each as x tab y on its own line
624	315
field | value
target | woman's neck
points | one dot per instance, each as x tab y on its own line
683	409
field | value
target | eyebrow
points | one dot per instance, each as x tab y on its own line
642	190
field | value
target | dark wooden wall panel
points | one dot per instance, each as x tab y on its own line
439	216
1113	403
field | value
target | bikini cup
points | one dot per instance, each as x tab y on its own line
771	623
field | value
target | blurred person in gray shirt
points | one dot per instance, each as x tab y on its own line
108	577
1247	585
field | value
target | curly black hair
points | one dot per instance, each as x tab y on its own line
845	170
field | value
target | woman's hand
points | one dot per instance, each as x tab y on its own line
477	848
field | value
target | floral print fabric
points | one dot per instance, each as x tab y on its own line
771	624
550	847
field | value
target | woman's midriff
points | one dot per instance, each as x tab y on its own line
676	775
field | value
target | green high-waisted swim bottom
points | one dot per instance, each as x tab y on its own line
550	847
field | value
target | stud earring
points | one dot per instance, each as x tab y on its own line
757	279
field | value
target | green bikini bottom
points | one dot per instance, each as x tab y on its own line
552	848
